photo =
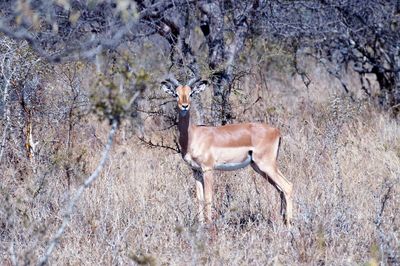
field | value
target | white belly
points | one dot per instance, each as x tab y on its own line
233	165
225	159
232	158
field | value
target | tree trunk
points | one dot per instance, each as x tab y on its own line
212	26
396	92
389	83
221	57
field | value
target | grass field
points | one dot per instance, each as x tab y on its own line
342	156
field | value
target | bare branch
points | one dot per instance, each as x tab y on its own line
150	144
73	201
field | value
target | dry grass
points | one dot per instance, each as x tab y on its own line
343	158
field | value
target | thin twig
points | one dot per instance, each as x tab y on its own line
6	116
13	256
70	208
150	144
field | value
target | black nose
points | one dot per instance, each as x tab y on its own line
185	106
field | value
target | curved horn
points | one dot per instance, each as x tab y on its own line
193	81
173	81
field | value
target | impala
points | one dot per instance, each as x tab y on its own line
228	147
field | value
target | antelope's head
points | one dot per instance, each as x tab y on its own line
183	92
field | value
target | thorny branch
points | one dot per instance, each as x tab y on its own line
6	116
72	203
379	218
162	145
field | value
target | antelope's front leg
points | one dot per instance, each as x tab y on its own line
208	191
199	194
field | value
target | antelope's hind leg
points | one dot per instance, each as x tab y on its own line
267	168
288	197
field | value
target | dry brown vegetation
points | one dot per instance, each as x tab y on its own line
325	72
342	156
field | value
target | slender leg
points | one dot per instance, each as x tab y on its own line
200	200
286	188
208	191
288	198
199	194
283	203
283	185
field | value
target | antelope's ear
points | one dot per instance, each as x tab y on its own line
168	88
199	86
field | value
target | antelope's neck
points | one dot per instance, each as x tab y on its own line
184	128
